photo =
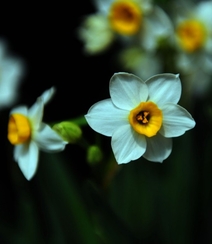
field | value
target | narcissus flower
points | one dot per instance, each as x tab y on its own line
11	72
193	39
28	134
129	20
141	117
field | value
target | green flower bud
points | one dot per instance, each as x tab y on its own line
94	155
69	131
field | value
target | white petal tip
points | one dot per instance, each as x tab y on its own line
120	163
48	94
29	178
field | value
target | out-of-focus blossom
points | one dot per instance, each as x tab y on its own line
11	72
193	39
141	63
28	134
141	117
96	34
130	21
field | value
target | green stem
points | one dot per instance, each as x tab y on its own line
81	121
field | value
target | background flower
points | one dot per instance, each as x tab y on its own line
193	40
129	21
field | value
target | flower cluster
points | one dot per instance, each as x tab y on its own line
141	117
154	40
129	20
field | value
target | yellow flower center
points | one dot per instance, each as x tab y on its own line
19	129
192	35
146	119
125	17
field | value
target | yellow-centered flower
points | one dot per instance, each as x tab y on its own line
125	17
193	41
141	117
28	134
193	28
137	20
192	35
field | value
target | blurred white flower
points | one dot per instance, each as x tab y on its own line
141	63
11	72
128	20
193	39
141	117
96	33
29	134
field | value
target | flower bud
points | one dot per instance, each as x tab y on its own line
69	131
94	155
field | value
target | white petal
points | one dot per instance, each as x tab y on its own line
164	88
176	120
127	90
127	145
137	61
20	110
158	148
145	5
47	95
104	117
27	157
102	5
35	113
156	26
96	25
11	73
48	140
203	12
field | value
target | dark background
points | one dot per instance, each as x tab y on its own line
69	201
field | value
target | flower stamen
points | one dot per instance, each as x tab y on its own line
146	119
142	117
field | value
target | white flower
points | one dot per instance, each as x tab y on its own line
129	20
11	72
193	40
141	117
29	134
96	34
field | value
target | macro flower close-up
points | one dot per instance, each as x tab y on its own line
141	117
28	134
120	151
